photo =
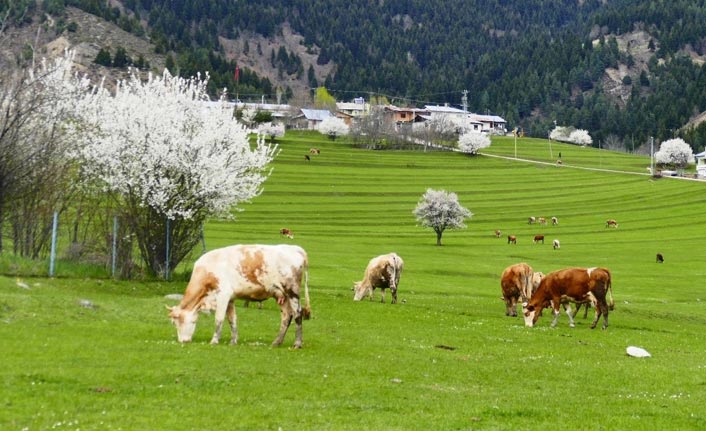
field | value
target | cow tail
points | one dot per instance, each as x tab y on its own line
306	312
611	304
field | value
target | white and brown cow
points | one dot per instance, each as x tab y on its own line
382	272
251	272
611	223
579	285
516	284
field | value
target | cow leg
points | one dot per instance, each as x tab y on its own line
394	294
232	319
221	309
556	316
286	320
511	305
382	295
298	338
567	308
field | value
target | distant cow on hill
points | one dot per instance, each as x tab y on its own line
538	238
531	220
314	151
555	244
611	223
555	221
511	239
660	258
286	232
497	233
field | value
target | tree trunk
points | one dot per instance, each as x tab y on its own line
438	236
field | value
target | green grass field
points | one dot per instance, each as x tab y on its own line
445	359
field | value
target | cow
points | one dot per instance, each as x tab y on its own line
307	158
250	272
538	238
497	233
314	151
511	239
531	220
660	258
611	223
286	232
555	221
542	220
555	244
579	285
516	283
382	272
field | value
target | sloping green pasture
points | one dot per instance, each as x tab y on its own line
446	357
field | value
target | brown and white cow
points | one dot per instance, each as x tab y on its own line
286	232
579	285
611	223
531	220
251	272
382	272
497	233
314	151
511	239
542	220
555	221
516	283
538	238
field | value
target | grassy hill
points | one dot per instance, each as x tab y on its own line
446	358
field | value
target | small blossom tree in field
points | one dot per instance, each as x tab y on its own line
170	161
334	127
271	130
675	152
471	142
571	135
440	210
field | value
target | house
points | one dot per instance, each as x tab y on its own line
469	121
355	109
310	119
701	164
399	115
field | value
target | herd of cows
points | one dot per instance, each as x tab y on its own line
259	272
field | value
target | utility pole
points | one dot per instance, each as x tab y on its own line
652	152
464	100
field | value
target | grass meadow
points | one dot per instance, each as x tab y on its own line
95	354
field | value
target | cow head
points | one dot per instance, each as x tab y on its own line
185	322
530	313
360	290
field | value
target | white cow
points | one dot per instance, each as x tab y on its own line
383	272
250	272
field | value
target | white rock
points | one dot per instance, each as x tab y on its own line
637	352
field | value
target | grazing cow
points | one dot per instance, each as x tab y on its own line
286	232
542	220
555	221
556	244
314	151
538	238
611	223
660	258
382	272
579	285
531	220
511	239
251	272
306	157
516	283
497	233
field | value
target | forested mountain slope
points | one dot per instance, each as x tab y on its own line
622	69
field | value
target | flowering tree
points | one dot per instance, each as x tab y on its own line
333	127
168	159
271	130
675	152
570	134
440	210
580	137
471	142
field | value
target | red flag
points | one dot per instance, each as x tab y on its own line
237	73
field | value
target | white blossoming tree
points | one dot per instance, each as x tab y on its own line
675	152
334	127
471	142
169	161
271	130
440	210
580	137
